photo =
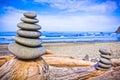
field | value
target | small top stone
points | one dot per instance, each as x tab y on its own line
104	51
30	14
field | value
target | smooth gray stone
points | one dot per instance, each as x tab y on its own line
105	56
30	14
27	26
104	65
30	34
100	68
28	41
105	61
24	52
86	58
104	51
29	20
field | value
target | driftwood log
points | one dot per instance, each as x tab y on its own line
16	69
61	67
55	60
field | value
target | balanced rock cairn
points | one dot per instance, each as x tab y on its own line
105	60
27	44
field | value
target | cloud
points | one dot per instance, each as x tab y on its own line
78	23
10	19
81	5
14	10
62	22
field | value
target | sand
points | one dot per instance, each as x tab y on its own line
82	48
78	49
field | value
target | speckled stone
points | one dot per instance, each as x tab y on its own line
30	34
28	41
30	14
29	20
104	51
105	56
24	52
27	26
105	61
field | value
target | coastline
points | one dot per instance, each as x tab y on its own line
78	49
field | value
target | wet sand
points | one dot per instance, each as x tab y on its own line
78	49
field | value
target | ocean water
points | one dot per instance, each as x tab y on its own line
8	37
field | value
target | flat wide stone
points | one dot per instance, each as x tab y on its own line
105	66
30	14
30	34
28	41
100	68
105	56
24	52
27	26
29	20
105	61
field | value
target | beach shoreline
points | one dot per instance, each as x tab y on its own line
78	49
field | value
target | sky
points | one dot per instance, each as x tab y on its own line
63	15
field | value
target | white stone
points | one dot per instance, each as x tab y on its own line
30	14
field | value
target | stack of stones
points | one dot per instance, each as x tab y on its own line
27	44
105	60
